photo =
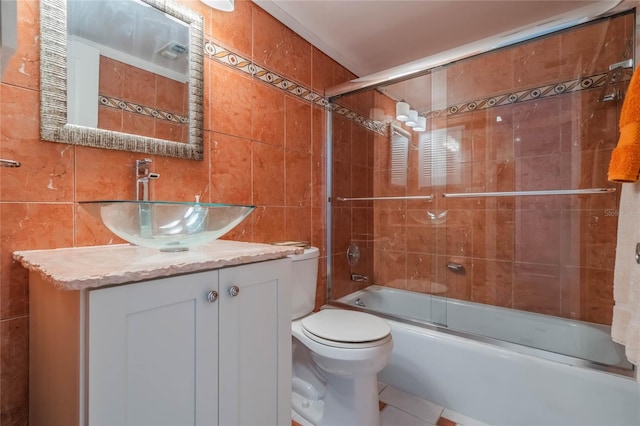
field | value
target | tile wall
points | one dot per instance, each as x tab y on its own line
154	105
354	158
551	255
263	146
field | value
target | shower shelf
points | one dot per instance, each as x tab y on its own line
406	197
531	193
614	76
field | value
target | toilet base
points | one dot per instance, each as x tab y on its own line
350	401
309	409
346	402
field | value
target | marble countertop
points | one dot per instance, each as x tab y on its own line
90	267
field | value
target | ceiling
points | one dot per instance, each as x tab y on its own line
369	36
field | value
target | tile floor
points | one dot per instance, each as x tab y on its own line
398	408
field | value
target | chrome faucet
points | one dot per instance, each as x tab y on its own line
143	175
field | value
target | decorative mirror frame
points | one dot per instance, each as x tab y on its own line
53	88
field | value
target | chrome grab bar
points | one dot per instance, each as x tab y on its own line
530	193
406	197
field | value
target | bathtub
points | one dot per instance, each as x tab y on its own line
499	382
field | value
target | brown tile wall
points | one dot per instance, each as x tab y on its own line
262	146
552	255
132	84
353	168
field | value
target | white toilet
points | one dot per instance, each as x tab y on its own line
337	355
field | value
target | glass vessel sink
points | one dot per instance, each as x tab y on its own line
168	226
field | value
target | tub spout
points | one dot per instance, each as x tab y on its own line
359	278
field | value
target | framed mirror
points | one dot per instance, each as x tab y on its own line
122	74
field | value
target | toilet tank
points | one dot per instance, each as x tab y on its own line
304	281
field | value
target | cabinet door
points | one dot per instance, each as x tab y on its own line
153	355
255	344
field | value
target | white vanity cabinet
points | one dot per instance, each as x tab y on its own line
153	352
204	348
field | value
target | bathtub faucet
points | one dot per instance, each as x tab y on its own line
359	278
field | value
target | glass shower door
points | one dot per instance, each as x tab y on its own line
499	213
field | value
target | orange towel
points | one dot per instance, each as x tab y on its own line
625	159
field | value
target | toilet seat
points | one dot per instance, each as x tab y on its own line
346	329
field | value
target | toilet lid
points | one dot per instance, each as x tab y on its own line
346	326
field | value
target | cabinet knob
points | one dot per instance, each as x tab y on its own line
234	290
212	296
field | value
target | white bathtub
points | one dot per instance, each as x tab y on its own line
500	384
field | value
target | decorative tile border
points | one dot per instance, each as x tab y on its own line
236	61
366	122
225	57
142	110
541	92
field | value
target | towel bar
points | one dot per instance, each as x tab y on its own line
406	197
530	193
487	194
